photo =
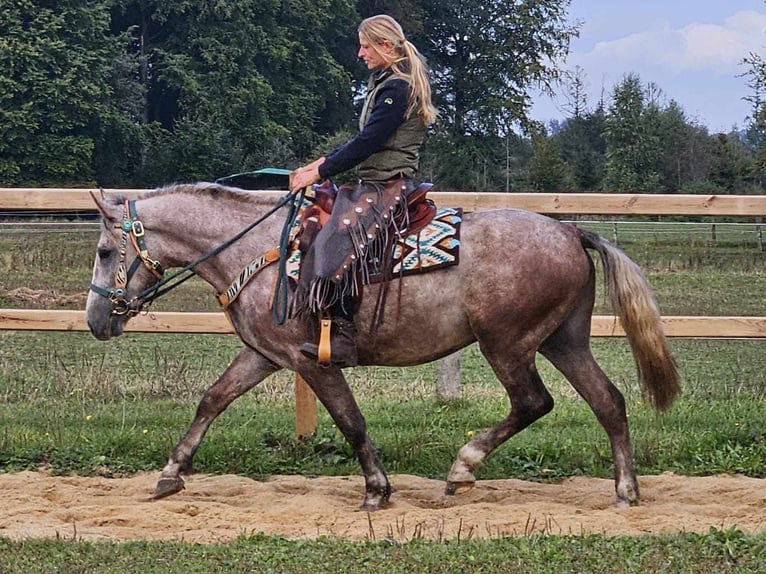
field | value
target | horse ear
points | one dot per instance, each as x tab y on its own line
102	206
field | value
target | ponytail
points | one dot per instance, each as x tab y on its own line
410	64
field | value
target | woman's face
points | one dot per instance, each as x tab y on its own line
375	56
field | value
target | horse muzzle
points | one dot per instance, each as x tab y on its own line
107	314
105	327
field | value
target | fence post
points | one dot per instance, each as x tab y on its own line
305	408
448	378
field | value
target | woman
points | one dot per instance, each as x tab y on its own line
386	151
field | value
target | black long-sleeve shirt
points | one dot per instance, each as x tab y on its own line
386	116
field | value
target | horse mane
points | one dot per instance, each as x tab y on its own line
206	189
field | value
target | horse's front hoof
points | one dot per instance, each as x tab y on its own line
622	503
627	494
368	506
376	499
167	487
461	487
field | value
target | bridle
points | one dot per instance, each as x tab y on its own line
130	227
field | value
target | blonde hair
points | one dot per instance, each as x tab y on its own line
409	64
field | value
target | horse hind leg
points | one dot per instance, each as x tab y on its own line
529	399
569	351
247	370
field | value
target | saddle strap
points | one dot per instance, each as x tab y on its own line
324	352
251	269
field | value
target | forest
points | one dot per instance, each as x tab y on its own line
141	93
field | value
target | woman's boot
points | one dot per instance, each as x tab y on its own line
342	344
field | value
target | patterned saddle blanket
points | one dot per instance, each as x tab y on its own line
436	246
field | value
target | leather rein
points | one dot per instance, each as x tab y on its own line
131	228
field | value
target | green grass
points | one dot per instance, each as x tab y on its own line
120	407
718	551
418	437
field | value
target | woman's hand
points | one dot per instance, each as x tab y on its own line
306	175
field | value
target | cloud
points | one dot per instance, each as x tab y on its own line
714	48
696	64
721	47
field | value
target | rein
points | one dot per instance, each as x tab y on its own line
133	228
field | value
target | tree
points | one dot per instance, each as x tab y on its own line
633	155
685	149
487	57
55	63
577	94
730	163
476	163
581	138
238	84
755	134
547	171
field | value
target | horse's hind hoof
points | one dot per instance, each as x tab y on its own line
461	487
167	487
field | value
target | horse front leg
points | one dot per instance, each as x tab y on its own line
332	390
246	370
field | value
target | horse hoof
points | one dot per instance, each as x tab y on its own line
462	487
167	487
375	504
622	503
371	507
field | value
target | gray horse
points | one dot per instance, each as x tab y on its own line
525	284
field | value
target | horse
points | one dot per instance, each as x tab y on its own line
525	284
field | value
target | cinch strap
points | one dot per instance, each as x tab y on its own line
251	269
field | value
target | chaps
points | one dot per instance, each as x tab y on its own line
354	245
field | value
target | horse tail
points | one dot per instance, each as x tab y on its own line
633	300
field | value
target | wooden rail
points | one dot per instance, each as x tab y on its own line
44	199
216	323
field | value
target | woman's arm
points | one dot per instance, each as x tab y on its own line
386	116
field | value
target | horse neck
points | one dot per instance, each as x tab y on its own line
185	227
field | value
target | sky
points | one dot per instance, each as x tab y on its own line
690	49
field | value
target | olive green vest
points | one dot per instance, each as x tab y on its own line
400	155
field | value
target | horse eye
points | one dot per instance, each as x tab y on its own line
104	253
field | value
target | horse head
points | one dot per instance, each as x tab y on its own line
123	269
198	227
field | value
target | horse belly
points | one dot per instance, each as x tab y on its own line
427	322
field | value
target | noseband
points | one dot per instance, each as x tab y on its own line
131	227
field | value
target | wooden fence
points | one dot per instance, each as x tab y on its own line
56	200
550	203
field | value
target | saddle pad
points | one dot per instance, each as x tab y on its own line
436	246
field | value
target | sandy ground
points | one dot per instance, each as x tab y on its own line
220	508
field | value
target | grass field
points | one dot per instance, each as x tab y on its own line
76	405
715	552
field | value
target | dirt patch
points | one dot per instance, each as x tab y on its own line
41	298
220	508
